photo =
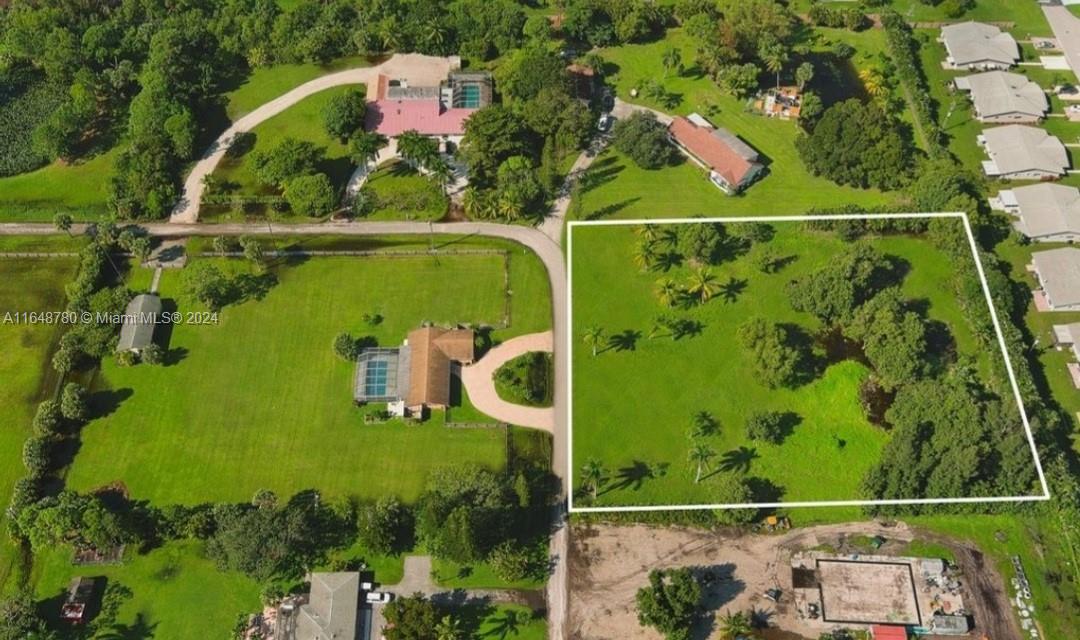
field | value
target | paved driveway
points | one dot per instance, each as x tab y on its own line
479	381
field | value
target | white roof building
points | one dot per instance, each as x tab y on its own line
1019	152
1000	96
1044	212
974	45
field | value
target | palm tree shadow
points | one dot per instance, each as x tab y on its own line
668	260
631	477
506	625
732	289
738	459
625	341
140	629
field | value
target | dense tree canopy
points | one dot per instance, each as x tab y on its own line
834	291
343	114
893	338
779	358
859	145
644	139
670	602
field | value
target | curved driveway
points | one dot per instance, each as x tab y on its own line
422	70
479	381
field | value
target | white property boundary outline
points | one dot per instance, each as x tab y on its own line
776	505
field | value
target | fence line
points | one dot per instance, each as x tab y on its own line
389	253
38	254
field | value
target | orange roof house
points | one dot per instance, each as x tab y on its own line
416	375
433	350
732	163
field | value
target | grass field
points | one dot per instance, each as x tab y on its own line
623	190
632	407
176	593
25	285
399	192
260	400
302	121
79	189
266	83
512	622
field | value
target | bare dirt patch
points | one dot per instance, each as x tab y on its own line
609	563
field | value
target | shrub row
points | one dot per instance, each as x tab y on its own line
903	48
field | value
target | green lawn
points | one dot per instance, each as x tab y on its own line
1027	16
25	285
302	121
175	592
260	400
396	191
632	407
266	83
512	622
626	191
79	189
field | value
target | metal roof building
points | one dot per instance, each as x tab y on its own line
140	318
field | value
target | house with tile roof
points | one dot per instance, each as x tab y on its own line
331	612
415	376
438	110
732	164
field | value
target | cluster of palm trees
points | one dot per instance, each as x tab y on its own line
422	153
481	204
700	287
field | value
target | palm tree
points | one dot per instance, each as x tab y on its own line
442	173
874	83
668	292
774	55
700	454
509	207
592	476
702	285
671	59
594	335
645	255
804	73
365	147
417	149
735	625
449	628
647	232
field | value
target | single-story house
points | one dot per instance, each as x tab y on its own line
416	375
583	80
732	164
1067	336
1004	97
331	612
1058	273
1045	212
975	45
439	110
1020	152
140	318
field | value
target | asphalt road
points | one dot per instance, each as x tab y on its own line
1066	29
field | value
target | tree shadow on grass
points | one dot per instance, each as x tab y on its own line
104	403
738	460
625	341
732	289
634	476
611	209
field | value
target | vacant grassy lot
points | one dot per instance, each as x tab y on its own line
633	406
25	375
266	83
79	189
176	593
260	400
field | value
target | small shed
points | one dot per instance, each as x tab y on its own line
79	593
888	632
140	318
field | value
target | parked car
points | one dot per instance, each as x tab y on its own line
605	123
379	597
367	586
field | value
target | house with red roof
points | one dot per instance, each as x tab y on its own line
732	164
888	632
439	110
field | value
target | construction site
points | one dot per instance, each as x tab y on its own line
802	583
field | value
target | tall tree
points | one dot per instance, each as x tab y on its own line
593	476
699	455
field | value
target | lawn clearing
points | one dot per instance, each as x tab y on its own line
176	593
623	190
396	191
512	622
261	401
79	189
266	83
28	378
632	406
302	121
